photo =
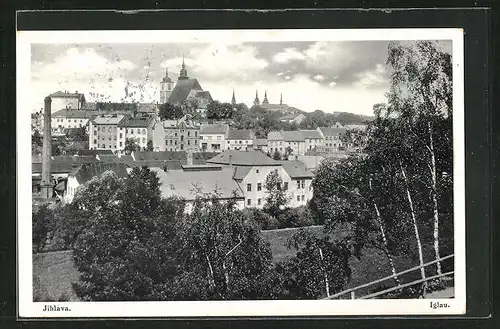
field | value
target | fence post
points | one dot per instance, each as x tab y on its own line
352	295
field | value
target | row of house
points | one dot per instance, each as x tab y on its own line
239	175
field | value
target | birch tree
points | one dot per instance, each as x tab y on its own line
421	91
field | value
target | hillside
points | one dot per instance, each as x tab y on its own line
54	272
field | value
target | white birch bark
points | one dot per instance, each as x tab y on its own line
327	286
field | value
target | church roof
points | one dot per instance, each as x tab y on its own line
204	94
182	89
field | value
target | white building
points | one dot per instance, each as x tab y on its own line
240	140
281	141
66	100
64	119
213	137
251	168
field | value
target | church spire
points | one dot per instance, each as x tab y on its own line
265	101
183	73
233	100
256	101
281	99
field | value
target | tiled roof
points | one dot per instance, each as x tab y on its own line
310	161
240	134
128	107
243	158
241	172
109	158
296	169
332	131
311	134
135	122
74	159
190	184
169	164
89	106
55	168
113	119
260	142
204	94
94	152
214	128
75	114
87	172
182	89
163	155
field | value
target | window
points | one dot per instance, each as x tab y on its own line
182	146
103	146
144	131
219	138
298	197
285	186
195	141
121	135
195	134
95	141
189	133
240	142
175	134
189	142
298	185
121	144
209	138
249	202
175	142
249	187
257	171
143	140
303	197
259	201
259	186
303	183
171	141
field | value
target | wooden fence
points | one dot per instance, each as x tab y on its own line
352	291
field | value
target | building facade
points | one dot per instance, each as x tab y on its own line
286	142
240	140
176	135
213	137
66	100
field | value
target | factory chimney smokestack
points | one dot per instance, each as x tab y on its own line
46	185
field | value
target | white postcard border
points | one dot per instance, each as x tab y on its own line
29	309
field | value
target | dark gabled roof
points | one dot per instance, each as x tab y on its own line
243	158
86	172
74	159
296	169
110	158
120	106
214	128
182	89
169	164
75	114
240	134
163	155
135	122
55	168
202	157
204	94
94	152
89	106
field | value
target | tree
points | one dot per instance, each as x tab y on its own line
219	111
42	225
149	146
36	139
288	152
169	111
320	267
276	195
131	146
78	135
277	155
421	91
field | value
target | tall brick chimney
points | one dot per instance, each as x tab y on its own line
47	188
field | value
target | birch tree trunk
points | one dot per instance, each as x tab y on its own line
211	280
384	240
327	286
415	226
434	197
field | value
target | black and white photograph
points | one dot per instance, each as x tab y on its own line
241	172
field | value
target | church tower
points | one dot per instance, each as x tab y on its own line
281	99
265	101
183	74
233	100
256	101
166	87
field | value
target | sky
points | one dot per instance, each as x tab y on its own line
329	76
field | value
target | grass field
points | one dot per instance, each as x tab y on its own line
54	272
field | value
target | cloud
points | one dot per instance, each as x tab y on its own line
319	77
220	62
288	54
288	77
375	77
280	73
332	84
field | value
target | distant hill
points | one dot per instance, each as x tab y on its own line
351	118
